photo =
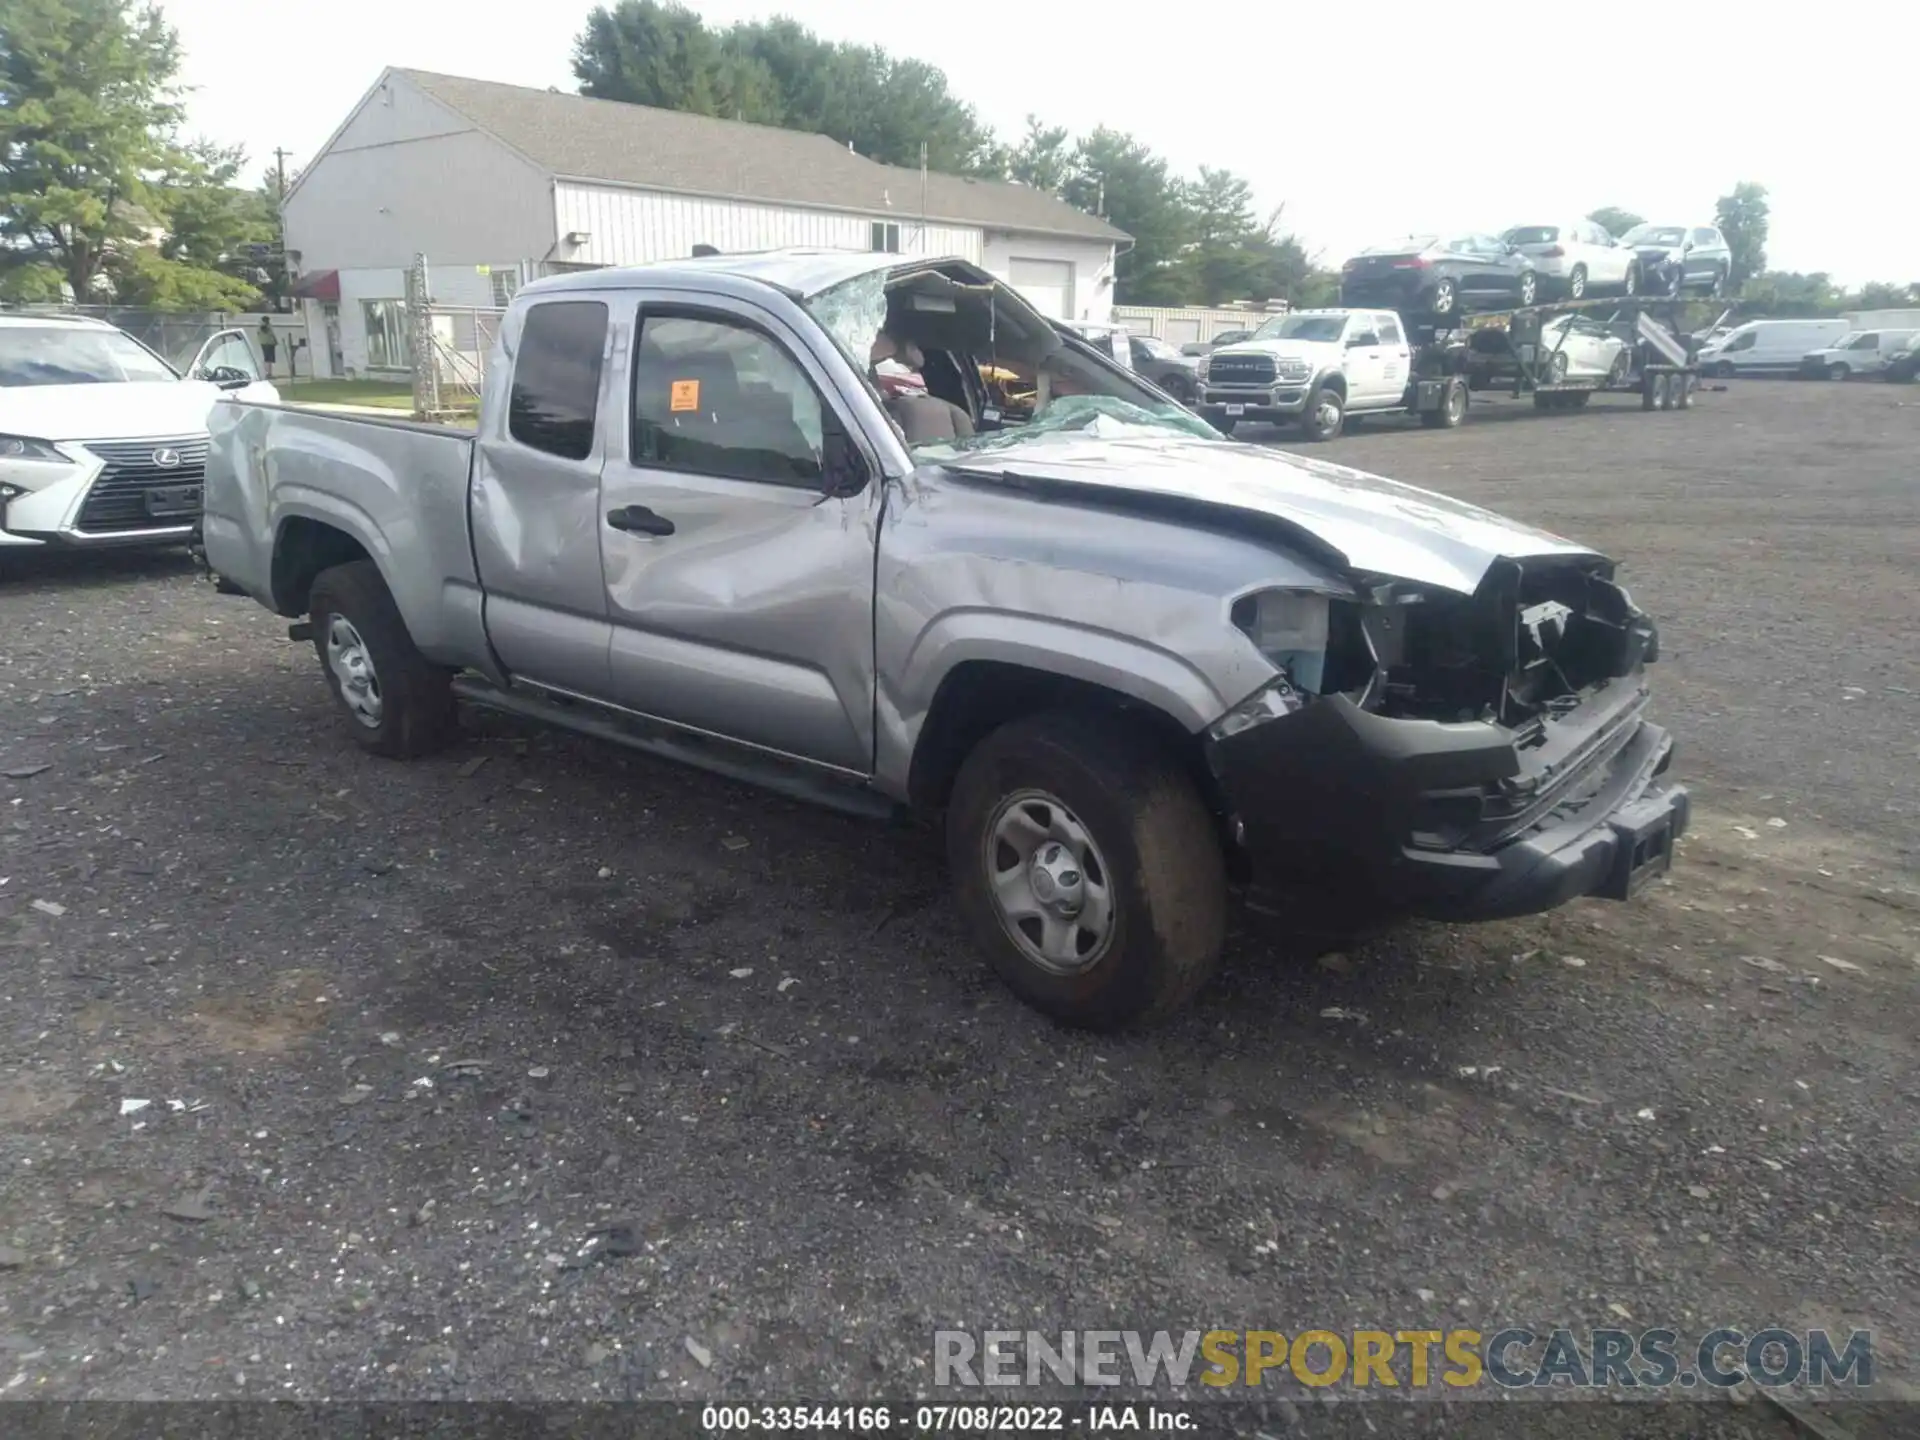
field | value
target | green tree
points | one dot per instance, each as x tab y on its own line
1117	177
1789	293
1881	295
1043	158
96	191
777	72
1615	221
1742	217
87	108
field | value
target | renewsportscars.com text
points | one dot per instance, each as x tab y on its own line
1512	1358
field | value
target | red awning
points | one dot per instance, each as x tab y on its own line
322	285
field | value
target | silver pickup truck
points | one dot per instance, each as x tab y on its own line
1136	667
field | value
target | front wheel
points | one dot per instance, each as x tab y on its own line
1556	367
1224	426
1087	869
1632	284
395	703
1618	372
1719	285
1577	283
1325	414
1724	370
1839	370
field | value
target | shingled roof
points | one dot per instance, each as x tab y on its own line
608	140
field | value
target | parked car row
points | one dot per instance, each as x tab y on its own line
1437	276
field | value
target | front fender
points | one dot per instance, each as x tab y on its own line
1141	671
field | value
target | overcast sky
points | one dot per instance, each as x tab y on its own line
1374	120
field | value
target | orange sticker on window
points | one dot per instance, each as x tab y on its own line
685	396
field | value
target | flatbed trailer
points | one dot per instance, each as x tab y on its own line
1505	349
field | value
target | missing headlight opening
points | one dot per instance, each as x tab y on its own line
1528	643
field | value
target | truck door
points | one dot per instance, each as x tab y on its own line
1396	358
535	502
1365	382
738	582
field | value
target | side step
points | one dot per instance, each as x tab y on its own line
751	767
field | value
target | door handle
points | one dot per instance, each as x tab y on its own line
639	518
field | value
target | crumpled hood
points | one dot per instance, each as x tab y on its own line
1378	526
107	412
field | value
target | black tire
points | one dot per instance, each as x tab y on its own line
1677	281
1718	286
1683	392
1317	426
1663	392
1577	283
1577	399
414	699
1529	287
1632	285
1621	368
1556	367
1163	869
1724	369
1180	388
1839	370
1452	410
1225	427
1446	297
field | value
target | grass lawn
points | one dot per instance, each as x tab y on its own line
384	394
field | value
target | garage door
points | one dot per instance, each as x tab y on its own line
1047	284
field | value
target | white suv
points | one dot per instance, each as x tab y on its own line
102	442
1575	258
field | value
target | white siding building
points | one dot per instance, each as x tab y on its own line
495	184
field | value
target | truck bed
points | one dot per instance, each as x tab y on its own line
385	483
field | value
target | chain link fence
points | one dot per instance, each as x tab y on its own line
460	341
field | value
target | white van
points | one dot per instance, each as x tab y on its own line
1768	347
1865	352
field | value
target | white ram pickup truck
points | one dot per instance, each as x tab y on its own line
1320	368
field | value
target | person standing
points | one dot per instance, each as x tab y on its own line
268	341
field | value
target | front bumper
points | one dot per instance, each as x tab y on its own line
1447	821
1286	400
98	498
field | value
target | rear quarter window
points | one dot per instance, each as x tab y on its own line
556	378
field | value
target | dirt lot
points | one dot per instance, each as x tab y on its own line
408	1035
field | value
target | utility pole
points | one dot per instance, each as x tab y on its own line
280	173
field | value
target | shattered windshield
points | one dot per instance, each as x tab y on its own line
1104	417
960	363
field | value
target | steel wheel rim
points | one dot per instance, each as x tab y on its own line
352	666
1326	415
1049	883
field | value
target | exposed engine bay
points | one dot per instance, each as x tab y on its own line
1529	643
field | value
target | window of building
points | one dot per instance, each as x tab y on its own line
556	378
388	345
883	237
712	396
505	283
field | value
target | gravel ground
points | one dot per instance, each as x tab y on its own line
319	1074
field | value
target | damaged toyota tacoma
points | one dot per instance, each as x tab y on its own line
1136	669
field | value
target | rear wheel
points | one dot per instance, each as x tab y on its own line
395	703
1452	409
1577	283
1631	286
1087	869
1718	287
1326	412
1683	392
1529	287
1446	297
